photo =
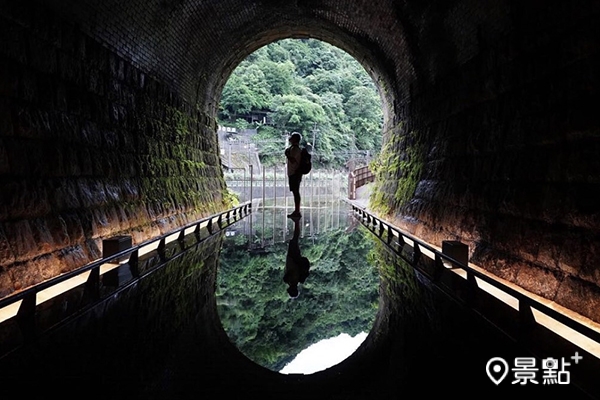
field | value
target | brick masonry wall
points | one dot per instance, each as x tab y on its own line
90	147
502	126
489	120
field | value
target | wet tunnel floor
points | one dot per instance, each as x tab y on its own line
285	285
167	336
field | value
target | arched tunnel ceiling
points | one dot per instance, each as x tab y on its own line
195	44
499	97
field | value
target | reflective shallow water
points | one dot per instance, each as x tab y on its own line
284	285
162	336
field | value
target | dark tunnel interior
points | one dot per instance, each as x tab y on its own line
108	119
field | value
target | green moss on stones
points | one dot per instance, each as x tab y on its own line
397	171
178	171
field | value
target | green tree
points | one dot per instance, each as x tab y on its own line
301	55
364	114
237	98
246	90
339	296
322	81
296	113
333	104
311	87
270	144
277	53
279	76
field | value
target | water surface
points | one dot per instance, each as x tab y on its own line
267	320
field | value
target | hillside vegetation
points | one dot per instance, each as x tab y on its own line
306	86
339	296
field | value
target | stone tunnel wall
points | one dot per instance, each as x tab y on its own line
90	147
499	147
491	130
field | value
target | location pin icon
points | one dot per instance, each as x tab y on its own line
496	369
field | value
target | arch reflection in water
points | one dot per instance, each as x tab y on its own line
337	287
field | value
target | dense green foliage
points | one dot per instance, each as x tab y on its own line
310	87
339	296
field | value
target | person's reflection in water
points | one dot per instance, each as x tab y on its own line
296	266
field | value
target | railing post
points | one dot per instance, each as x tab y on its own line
416	253
26	317
285	191
263	204
526	318
115	244
251	184
197	232
401	242
352	186
92	285
471	288
312	195
245	191
438	267
390	234
457	251
161	249
181	239
134	264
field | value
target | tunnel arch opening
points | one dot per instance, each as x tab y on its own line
509	115
373	64
340	56
307	86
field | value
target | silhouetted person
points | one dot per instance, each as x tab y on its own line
296	266
294	156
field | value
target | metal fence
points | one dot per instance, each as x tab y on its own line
269	188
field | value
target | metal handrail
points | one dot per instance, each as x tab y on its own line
525	302
29	295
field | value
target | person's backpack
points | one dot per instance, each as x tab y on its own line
305	161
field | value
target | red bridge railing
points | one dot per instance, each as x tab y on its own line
357	178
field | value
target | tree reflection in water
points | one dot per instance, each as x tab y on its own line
340	295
